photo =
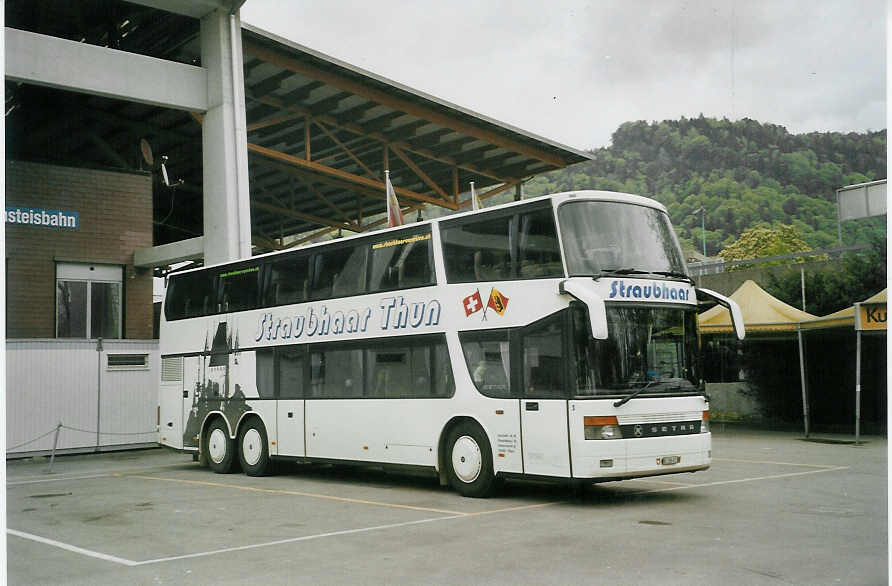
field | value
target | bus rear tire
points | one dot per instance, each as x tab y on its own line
253	450
219	447
469	461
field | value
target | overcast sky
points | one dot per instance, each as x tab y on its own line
574	71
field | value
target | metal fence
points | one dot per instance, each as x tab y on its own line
719	265
84	395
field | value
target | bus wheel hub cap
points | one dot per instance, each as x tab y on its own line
217	445
251	449
467	461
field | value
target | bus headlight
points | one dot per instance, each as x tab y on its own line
704	425
610	432
601	428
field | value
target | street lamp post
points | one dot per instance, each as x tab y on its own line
702	210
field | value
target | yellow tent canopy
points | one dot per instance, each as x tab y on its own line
844	318
761	313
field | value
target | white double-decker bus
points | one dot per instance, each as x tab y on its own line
554	337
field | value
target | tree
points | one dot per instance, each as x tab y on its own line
745	173
855	278
762	242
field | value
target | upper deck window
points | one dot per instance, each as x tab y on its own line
503	245
401	260
606	236
384	262
190	295
239	288
339	271
287	280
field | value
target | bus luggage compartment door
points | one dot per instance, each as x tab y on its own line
170	416
546	451
290	427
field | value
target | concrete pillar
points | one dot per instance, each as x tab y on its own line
227	210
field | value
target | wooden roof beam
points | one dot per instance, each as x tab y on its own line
382	97
317	178
359	130
302	216
344	148
273	121
349	177
417	170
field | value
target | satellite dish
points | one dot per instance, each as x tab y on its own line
146	149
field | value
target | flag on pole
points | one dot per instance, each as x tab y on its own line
497	301
476	204
472	303
394	213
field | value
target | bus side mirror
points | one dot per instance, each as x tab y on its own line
582	289
730	305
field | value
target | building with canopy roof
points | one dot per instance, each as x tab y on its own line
793	367
762	313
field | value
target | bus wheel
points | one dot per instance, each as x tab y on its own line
469	461
253	453
219	447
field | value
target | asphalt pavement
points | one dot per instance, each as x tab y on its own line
773	509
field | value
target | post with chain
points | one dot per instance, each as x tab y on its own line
53	452
99	351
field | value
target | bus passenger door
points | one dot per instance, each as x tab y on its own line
543	404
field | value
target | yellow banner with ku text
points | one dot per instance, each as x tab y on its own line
870	316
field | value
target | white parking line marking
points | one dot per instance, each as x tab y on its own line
652	480
86	475
510	509
297	493
131	563
57	479
454	515
742	480
828	466
72	548
295	540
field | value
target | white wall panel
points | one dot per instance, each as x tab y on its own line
67	381
128	400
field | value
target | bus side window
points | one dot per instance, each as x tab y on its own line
336	372
389	373
487	354
415	267
434	360
190	295
401	261
266	374
543	358
287	280
239	288
539	253
478	250
339	272
290	371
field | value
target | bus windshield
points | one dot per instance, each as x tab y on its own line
652	347
606	237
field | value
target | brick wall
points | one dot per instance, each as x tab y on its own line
115	218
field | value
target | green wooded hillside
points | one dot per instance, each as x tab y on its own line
744	173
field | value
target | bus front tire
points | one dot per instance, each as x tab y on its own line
219	447
469	461
253	453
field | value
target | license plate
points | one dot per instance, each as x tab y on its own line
669	460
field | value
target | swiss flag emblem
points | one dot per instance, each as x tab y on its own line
472	303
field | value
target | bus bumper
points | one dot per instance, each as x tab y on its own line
634	457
